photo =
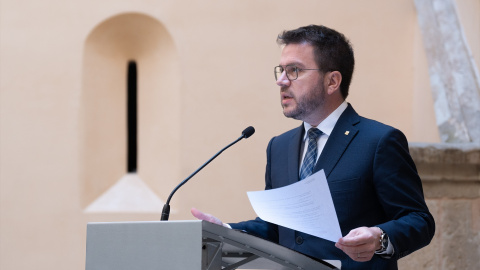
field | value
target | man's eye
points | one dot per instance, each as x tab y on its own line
292	69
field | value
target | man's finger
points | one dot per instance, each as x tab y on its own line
204	216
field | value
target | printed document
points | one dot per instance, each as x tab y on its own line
305	206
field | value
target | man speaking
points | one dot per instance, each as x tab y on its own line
373	180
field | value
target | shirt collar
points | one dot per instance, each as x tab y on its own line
327	125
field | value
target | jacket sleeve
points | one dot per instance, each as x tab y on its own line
399	189
259	228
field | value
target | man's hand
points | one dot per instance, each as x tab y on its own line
361	243
204	216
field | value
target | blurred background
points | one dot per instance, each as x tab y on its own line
105	106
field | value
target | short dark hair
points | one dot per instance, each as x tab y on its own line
333	51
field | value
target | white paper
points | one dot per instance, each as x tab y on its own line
305	206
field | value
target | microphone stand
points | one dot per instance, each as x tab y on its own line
166	208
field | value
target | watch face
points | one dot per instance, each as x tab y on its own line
384	240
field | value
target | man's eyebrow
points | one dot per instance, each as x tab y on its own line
297	64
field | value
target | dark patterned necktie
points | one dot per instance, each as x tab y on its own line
311	155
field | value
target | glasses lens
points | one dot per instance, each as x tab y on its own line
291	72
278	72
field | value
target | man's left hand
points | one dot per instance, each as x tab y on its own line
361	243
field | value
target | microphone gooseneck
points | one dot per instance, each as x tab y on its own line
246	133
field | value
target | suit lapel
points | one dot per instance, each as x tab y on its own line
341	136
294	154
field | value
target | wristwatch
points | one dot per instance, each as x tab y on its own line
383	242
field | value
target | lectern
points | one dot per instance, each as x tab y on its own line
187	245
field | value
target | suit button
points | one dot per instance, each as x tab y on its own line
299	240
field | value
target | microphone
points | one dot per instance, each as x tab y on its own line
246	133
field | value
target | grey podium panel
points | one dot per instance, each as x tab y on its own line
143	245
186	245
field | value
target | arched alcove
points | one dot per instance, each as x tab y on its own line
109	50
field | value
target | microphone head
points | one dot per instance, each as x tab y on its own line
248	132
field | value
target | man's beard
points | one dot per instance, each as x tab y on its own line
308	103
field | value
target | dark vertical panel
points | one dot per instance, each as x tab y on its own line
132	117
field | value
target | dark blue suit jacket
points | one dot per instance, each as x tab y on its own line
373	181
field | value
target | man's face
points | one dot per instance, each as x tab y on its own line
303	98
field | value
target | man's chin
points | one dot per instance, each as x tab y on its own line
291	114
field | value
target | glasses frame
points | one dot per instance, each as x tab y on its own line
297	69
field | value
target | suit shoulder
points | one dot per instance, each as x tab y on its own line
289	134
286	138
380	132
376	125
351	117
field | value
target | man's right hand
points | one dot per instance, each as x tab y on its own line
207	217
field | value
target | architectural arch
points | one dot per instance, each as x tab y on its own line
109	48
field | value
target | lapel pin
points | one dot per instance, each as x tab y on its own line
347	132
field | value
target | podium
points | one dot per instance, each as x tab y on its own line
187	245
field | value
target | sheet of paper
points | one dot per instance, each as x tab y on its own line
305	206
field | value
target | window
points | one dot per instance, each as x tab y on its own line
132	117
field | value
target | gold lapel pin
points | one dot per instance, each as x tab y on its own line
347	132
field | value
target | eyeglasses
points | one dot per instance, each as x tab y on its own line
290	70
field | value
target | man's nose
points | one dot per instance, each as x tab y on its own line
283	80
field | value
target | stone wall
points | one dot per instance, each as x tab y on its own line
451	184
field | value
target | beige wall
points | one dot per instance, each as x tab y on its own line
61	133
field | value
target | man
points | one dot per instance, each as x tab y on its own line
375	187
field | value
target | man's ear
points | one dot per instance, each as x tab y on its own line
333	80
